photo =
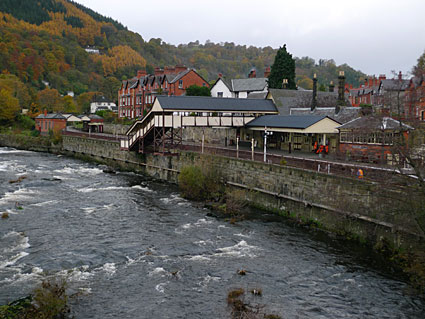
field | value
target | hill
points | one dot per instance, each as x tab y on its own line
44	41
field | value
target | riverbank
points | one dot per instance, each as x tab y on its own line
353	209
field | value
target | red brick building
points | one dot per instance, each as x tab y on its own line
135	97
366	93
50	122
415	99
372	139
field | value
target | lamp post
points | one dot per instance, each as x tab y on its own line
252	148
265	142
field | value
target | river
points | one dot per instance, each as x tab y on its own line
135	249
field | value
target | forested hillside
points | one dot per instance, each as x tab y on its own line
44	41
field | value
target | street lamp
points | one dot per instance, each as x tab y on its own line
265	142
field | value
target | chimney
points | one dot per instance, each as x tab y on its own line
45	112
180	68
158	71
370	82
169	70
220	75
285	84
400	76
351	86
267	71
141	73
331	86
252	74
382	77
341	86
314	101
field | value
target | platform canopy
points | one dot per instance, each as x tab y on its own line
295	124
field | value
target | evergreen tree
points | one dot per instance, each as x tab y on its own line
282	68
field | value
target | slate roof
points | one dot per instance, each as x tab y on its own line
250	84
345	114
101	99
95	117
285	121
200	103
51	116
285	100
257	95
226	83
374	123
394	84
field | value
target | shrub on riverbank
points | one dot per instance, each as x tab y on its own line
48	301
201	182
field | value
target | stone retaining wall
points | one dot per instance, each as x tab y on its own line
344	205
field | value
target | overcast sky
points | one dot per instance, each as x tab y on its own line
374	36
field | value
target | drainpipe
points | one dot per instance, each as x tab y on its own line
265	144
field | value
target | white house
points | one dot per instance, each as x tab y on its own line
100	103
239	88
221	88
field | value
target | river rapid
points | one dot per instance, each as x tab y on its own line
134	248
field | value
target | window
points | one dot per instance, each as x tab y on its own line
180	84
219	94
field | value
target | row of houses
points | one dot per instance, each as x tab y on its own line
402	98
137	95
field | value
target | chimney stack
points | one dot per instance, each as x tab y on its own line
141	73
220	75
168	70
267	72
400	76
158	71
314	102
341	87
45	112
331	86
180	68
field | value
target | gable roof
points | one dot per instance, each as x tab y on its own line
226	83
286	121
285	99
250	84
345	114
394	84
375	123
201	103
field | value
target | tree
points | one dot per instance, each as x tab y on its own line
282	68
69	105
110	87
9	106
50	100
84	100
196	90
